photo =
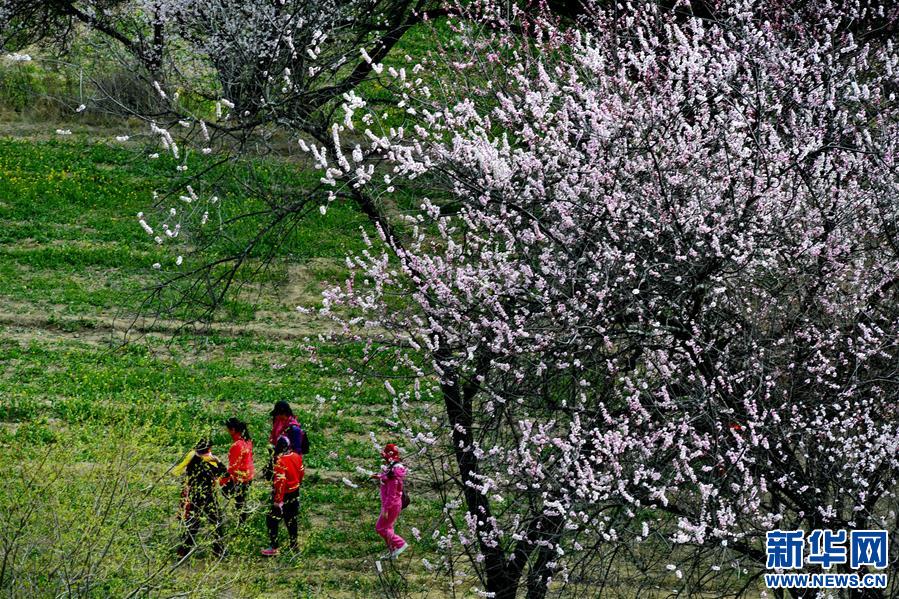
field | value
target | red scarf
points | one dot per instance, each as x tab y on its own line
279	425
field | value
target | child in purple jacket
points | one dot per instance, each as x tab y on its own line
391	479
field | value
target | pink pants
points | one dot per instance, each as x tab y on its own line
387	519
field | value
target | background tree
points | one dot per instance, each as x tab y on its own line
137	28
235	79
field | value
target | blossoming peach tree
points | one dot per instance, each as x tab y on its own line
652	277
241	39
657	285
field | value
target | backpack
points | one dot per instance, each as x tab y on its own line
299	441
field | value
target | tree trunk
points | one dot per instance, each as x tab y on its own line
501	578
539	574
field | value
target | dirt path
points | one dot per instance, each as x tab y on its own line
27	322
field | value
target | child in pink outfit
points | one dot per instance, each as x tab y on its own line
391	479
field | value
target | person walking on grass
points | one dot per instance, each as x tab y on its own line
199	504
285	424
288	474
236	483
393	499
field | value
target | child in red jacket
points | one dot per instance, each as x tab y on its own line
288	474
240	466
391	478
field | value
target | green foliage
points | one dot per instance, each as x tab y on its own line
20	84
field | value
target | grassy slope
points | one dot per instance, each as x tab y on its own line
72	259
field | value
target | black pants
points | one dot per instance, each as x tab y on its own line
289	514
203	512
239	492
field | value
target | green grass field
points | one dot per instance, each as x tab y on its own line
88	428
